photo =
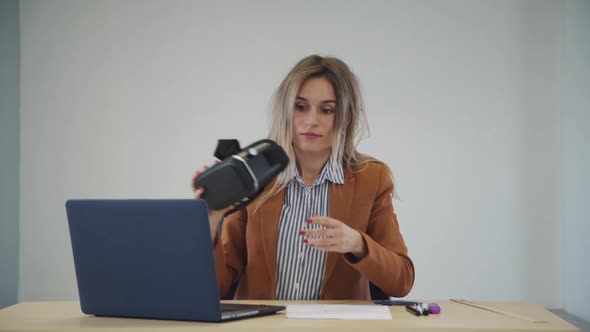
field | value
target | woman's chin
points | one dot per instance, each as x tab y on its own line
312	149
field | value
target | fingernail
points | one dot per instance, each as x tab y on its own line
301	232
308	221
305	241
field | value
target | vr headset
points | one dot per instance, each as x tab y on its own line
242	173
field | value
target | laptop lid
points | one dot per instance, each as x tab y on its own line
144	258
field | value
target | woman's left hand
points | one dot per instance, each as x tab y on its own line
334	236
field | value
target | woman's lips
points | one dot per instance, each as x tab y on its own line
311	135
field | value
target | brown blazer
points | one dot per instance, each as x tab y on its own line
247	250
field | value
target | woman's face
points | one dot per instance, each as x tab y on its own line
313	116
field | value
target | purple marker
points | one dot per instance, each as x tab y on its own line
433	308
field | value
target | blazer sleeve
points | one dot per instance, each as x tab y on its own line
387	263
230	250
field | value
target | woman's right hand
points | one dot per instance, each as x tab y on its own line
214	215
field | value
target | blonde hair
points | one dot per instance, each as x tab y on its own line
350	123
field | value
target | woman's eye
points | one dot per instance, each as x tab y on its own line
300	107
328	110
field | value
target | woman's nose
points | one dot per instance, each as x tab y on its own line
311	116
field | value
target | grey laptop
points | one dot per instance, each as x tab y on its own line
148	259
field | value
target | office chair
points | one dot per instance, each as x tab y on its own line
377	293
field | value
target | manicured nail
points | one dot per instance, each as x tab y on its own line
301	232
308	220
305	241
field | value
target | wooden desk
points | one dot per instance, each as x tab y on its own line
66	316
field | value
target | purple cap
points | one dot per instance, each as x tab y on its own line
433	308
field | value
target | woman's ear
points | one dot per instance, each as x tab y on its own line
348	122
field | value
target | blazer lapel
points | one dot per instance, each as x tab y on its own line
270	213
340	204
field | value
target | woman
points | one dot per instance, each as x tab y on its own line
326	226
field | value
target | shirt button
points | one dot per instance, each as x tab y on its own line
301	255
296	285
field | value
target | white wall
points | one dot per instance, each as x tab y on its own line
127	99
575	113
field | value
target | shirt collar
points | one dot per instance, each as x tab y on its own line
330	172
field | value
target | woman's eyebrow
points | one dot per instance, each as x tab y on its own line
323	102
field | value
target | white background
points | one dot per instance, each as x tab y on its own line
125	99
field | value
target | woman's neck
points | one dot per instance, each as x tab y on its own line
310	165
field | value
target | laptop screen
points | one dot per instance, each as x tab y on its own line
144	258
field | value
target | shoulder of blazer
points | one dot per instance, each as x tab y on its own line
254	205
370	171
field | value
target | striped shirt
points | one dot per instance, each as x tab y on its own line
300	267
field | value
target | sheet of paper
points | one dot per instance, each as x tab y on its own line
338	311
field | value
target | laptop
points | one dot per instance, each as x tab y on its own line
149	259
